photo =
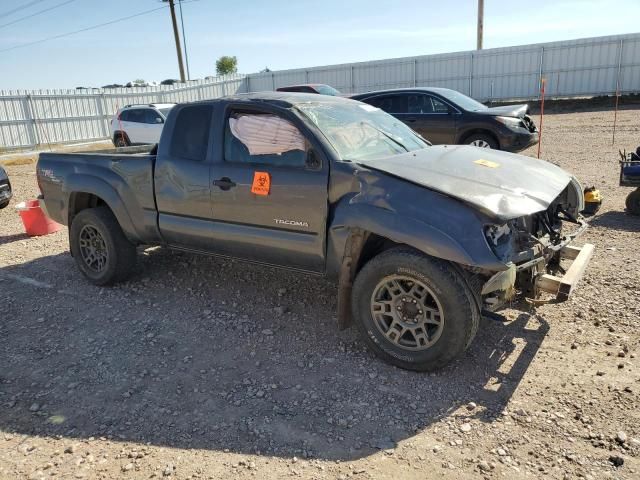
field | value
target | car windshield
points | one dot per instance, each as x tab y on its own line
464	102
327	90
165	111
361	132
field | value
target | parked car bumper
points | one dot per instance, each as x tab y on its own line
518	141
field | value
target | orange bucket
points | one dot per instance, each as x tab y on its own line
34	220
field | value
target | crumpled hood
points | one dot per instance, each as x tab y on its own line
518	111
500	184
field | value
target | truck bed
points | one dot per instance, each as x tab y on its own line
126	173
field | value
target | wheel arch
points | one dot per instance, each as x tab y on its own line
93	193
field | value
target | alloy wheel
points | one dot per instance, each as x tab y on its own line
407	312
93	249
480	143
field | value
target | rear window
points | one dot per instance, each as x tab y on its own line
191	133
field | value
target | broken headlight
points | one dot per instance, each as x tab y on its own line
499	238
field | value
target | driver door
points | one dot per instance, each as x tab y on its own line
269	203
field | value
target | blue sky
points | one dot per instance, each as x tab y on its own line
274	33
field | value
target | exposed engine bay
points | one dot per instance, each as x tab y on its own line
531	246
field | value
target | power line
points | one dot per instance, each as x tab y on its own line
93	27
17	9
37	13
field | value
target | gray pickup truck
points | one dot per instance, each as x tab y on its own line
422	240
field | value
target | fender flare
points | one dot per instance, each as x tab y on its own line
79	183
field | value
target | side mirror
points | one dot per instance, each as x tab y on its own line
159	120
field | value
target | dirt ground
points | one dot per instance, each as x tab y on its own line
204	368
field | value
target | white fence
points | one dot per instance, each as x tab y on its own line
584	67
62	116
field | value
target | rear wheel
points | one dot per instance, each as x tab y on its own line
633	202
414	311
101	250
482	141
120	140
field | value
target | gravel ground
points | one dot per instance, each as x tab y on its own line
207	368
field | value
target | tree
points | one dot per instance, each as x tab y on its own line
226	65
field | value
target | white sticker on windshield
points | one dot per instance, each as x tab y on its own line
369	108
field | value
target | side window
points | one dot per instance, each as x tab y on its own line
438	106
151	116
418	103
191	133
390	104
264	138
124	116
136	115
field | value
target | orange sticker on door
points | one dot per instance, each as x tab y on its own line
261	183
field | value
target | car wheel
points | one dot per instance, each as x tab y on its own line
101	250
482	141
414	311
633	202
4	204
120	141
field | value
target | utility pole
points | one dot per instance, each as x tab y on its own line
177	38
480	23
184	40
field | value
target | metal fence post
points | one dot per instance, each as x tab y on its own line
415	72
471	76
102	115
30	122
273	81
353	86
248	83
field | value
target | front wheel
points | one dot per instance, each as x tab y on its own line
414	311
482	141
98	245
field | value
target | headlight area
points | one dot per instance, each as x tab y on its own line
511	122
499	288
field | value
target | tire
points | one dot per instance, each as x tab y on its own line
411	341
633	202
120	140
98	245
482	140
4	204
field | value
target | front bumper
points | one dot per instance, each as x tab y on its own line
518	141
562	287
534	278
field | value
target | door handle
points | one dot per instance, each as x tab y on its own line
225	183
410	120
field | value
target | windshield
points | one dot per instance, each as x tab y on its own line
361	132
165	111
467	103
327	90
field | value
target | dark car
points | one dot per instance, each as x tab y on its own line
5	188
311	88
444	116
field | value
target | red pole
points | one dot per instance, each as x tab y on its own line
541	115
615	116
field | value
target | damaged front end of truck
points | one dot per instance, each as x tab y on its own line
527	210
